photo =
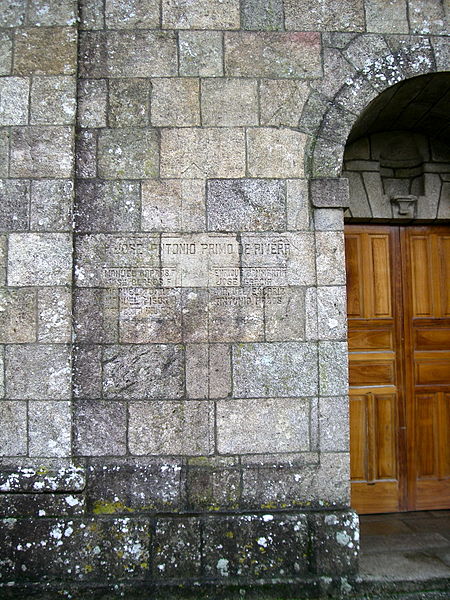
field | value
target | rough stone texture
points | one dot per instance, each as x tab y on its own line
334	424
107	206
54	315
41	505
289	55
13	433
52	101
333	368
173	205
39	259
42	51
14	93
5	53
201	53
178	545
41	152
51	205
256	546
86	166
14	205
219	371
134	372
213	483
128	153
49	428
171	427
275	152
330	259
336	535
198	153
260	16
99	428
325	15
29	476
96	315
208	14
332	312
17	315
298	207
86	371
284	314
329	193
92	102
240	422
132	14
129	102
229	102
328	219
387	17
282	102
175	102
37	372
245	205
274	370
4	151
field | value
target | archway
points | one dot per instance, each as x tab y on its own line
397	161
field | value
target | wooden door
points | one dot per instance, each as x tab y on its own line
399	367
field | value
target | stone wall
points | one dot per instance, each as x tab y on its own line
172	317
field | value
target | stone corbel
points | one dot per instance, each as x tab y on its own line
404	206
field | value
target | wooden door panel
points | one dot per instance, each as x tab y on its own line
375	339
432	339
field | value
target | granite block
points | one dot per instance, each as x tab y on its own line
49	428
14	205
99	428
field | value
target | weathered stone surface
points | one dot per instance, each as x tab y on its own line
41	505
13	13
330	258
198	153
107	206
284	314
70	549
41	152
262	16
208	14
54	315
13	432
86	165
37	372
52	101
173	205
51	12
14	93
113	261
45	51
282	102
332	312
51	205
150	316
36	476
91	14
197	370
4	151
39	259
329	192
290	55
92	102
328	219
275	152
346	15
2	373
284	420
335	540
256	546
134	372
3	259
122	485
87	371
246	205
128	153
99	428
129	102
327	159
219	371
177	543
279	369
128	54
175	102
5	53
333	368
334	424
132	14
235	314
201	260
195	307
387	17
213	483
171	427
14	205
229	102
428	17
17	315
49	428
96	315
201	53
271	259
298	206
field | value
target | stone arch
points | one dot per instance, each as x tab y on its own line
356	72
